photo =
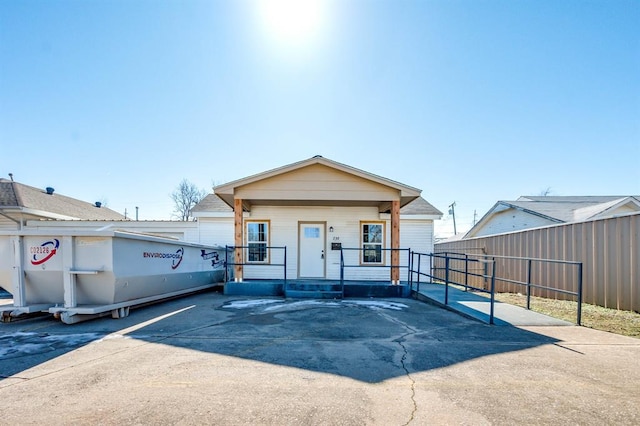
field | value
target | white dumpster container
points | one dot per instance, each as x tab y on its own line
74	273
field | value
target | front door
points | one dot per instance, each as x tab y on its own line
312	250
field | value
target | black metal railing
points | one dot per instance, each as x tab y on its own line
489	270
244	264
382	264
447	279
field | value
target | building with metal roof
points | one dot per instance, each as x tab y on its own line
535	211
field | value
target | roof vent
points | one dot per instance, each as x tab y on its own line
98	204
49	190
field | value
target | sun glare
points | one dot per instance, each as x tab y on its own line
293	22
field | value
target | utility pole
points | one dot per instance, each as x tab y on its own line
475	215
136	213
125	212
452	212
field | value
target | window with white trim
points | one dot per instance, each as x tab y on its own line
372	237
257	242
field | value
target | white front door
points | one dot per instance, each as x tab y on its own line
312	250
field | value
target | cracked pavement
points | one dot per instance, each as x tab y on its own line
214	359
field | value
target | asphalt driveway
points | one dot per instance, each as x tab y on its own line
214	359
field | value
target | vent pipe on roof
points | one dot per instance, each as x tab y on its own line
98	204
49	190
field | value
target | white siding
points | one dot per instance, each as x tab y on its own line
217	231
414	234
8	225
511	220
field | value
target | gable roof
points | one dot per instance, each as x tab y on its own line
327	194
420	206
211	203
18	200
561	209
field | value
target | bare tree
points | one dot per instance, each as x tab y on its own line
545	192
185	197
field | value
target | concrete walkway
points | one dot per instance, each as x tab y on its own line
478	307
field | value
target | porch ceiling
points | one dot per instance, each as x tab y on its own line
383	206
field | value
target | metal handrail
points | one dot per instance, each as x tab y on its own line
529	284
342	272
243	264
343	265
447	276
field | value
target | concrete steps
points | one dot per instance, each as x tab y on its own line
313	290
316	289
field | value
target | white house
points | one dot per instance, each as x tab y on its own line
313	208
532	212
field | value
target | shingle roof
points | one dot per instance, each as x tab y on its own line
211	203
15	196
562	209
420	206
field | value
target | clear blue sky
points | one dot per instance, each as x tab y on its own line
471	101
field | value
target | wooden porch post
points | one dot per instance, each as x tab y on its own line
238	225
395	242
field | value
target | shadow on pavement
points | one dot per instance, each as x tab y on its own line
369	340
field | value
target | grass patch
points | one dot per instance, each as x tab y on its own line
626	323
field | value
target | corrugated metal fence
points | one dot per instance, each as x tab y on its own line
608	248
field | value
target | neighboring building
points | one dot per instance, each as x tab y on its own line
20	203
314	207
532	212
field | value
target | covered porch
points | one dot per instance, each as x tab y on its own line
315	208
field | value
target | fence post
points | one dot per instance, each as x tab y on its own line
493	290
580	293
432	267
419	259
341	267
446	280
410	269
528	283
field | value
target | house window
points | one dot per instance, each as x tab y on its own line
372	243
257	242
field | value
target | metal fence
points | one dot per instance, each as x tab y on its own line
609	250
